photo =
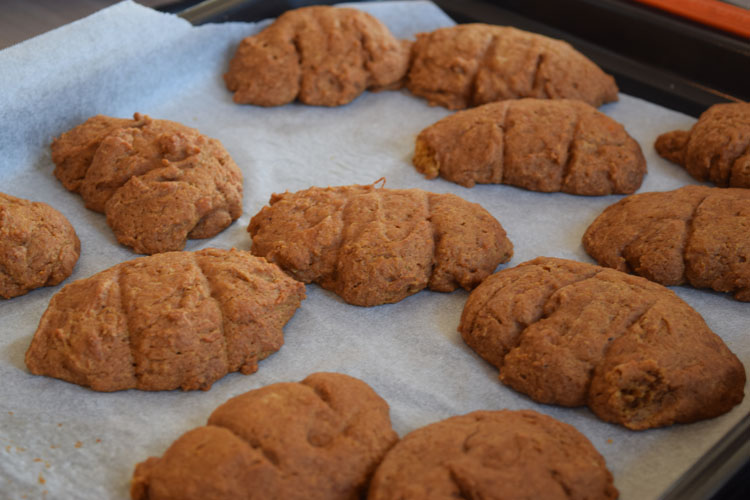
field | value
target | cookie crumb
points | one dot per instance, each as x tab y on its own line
78	444
41	479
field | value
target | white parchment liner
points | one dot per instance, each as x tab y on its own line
58	440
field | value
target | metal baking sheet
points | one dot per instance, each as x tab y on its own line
58	440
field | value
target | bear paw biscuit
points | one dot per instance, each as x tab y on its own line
472	64
168	321
574	334
319	439
696	235
493	454
158	182
322	56
536	144
38	246
375	246
716	149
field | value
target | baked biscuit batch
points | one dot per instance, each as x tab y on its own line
562	332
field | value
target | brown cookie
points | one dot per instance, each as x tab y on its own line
493	455
320	438
696	235
158	182
323	56
173	320
716	149
472	64
375	246
574	334
38	246
536	144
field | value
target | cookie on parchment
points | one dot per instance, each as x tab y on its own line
38	246
493	454
575	334
322	56
716	148
536	144
158	182
319	439
472	64
374	245
694	235
168	321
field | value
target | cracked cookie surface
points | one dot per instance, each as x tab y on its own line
575	334
493	455
320	438
694	235
157	181
38	246
472	64
535	144
716	148
322	56
168	321
374	245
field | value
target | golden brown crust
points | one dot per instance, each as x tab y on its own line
320	438
158	182
374	246
74	150
472	64
575	334
493	454
536	144
696	235
717	147
38	246
323	56
173	320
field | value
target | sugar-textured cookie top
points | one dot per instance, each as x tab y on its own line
537	144
716	148
323	56
472	64
575	334
38	246
493	454
374	246
168	321
319	439
158	182
696	235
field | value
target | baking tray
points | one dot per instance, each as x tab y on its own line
679	64
104	408
665	59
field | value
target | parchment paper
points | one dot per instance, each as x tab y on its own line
58	440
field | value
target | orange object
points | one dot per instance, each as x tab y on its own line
711	12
